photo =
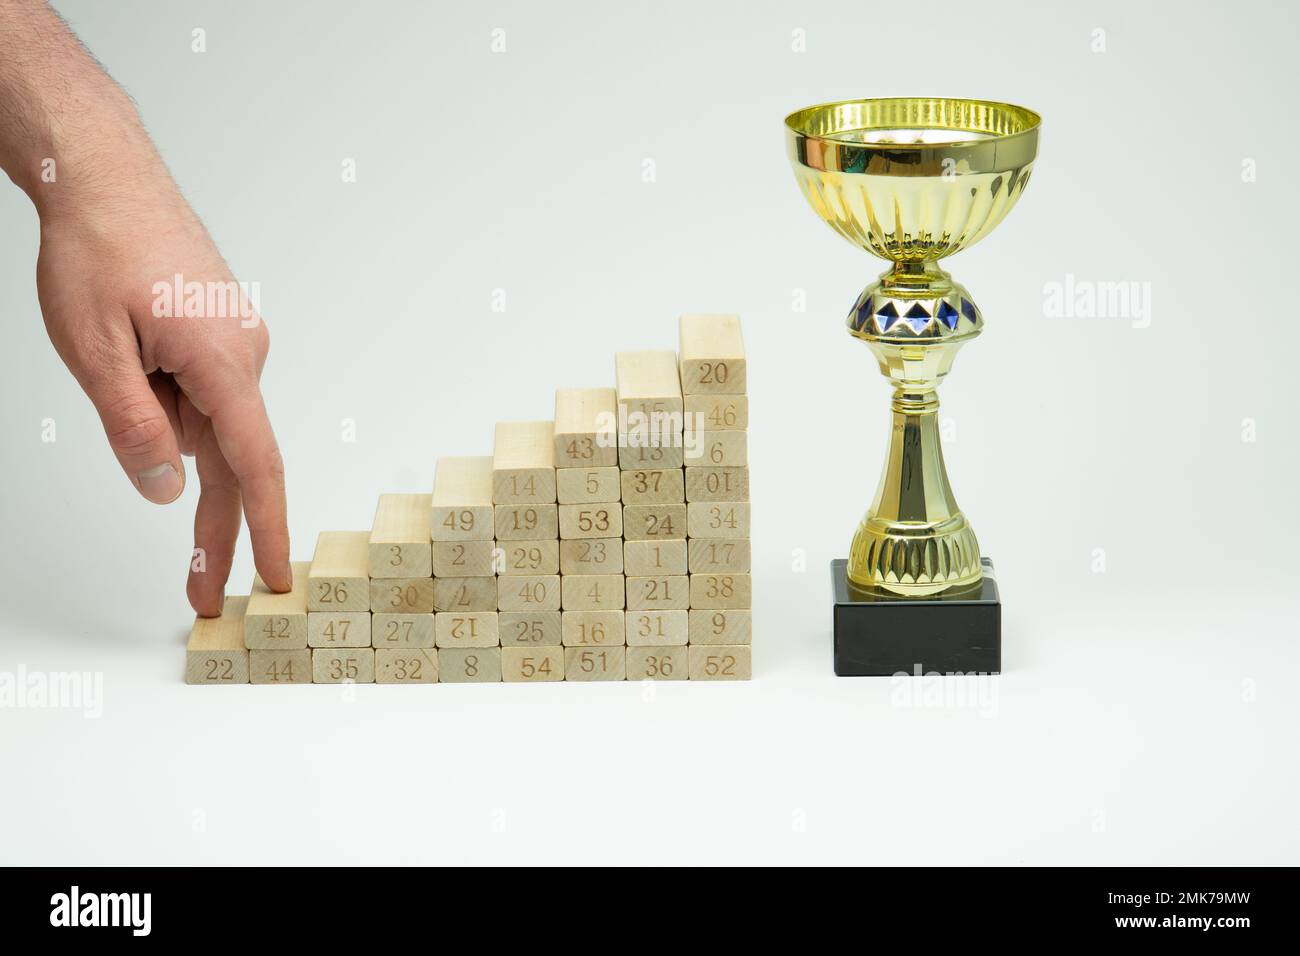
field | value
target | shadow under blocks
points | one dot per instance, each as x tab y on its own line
881	636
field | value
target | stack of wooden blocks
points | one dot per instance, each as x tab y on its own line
609	543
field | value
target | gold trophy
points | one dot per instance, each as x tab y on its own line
913	180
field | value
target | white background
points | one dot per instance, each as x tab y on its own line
1146	713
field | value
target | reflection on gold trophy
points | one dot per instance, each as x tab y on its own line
913	180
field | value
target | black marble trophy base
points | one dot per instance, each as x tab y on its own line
882	636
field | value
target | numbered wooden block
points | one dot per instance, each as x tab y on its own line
721	627
466	629
654	522
339	579
656	663
592	592
401	595
717	412
215	652
401	631
532	665
712	449
712	555
712	355
530	628
721	591
717	484
341	665
717	519
669	592
527	522
278	621
461	595
720	662
586	427
585	486
638	456
529	592
656	628
399	539
593	628
406	665
653	557
280	667
653	486
528	557
591	521
595	663
523	464
469	665
591	556
464	559
338	629
462	499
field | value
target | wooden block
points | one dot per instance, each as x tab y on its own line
401	595
399	539
656	663
341	665
592	592
712	355
591	521
339	579
529	592
586	427
530	628
717	519
721	591
664	593
657	628
653	486
648	558
462	499
338	629
279	667
593	628
648	385
406	665
469	665
595	663
721	627
532	665
585	486
709	555
712	449
460	595
655	457
528	557
464	559
401	631
720	662
717	412
654	522
278	621
591	556
717	484
523	464
527	522
215	652
466	629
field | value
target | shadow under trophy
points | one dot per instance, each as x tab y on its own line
913	180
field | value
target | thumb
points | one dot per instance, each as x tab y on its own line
139	431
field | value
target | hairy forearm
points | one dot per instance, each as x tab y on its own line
68	133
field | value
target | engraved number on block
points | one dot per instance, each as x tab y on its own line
581	449
336	631
524	558
713	373
280	673
343	668
533	592
464	629
276	628
656	589
459	520
406	668
720	586
399	596
723	665
530	668
588	661
656	666
220	670
332	592
529	632
398	631
524	519
658	526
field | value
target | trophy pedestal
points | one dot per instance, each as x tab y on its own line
883	636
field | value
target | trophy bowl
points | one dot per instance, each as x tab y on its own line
913	180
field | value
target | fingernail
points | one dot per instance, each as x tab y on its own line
161	485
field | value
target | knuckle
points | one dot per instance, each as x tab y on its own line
135	427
